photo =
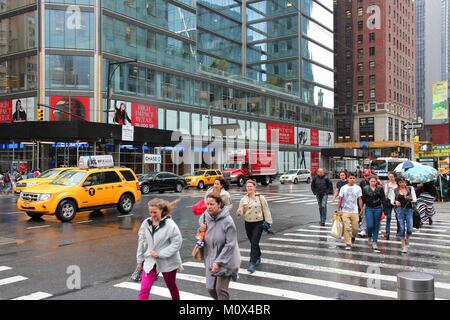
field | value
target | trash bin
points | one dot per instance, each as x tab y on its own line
415	286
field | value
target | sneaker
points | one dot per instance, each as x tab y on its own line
251	268
362	234
322	224
375	247
348	248
404	249
258	262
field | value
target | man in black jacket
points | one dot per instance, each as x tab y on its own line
322	186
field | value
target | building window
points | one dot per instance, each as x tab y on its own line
372	80
367	129
390	129
360	94
372	65
372	51
372	93
360	66
360	107
360	81
373	107
372	37
360	39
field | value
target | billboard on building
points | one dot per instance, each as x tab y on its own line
138	115
17	110
65	107
440	100
5	111
285	133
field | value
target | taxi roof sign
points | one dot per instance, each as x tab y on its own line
105	161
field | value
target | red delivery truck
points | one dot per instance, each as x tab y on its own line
244	164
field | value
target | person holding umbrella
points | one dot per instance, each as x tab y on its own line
404	197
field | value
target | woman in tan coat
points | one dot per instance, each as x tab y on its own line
255	209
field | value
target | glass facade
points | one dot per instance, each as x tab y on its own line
240	60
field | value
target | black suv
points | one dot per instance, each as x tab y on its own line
161	181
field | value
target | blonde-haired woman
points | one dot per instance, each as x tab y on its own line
159	247
255	209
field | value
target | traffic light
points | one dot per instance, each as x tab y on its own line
40	114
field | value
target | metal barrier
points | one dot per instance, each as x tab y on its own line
415	286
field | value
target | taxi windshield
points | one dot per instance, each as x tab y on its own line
69	178
198	173
48	173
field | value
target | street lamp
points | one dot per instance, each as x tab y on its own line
110	75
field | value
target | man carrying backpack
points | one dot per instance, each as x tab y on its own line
321	186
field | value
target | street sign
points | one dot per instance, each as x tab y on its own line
413	126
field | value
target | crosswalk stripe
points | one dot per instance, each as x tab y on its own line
34	296
161	291
338	243
340	271
382	241
394	230
393	224
311	281
254	288
11	280
355	262
4	268
353	253
413	239
394	227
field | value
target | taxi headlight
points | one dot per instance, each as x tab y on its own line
44	196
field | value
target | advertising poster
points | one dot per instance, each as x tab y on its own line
326	139
65	106
314	137
314	161
120	112
5	111
440	100
144	116
285	133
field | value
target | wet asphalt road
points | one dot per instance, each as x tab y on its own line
299	262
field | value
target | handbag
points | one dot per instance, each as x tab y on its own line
267	227
337	230
199	208
197	253
137	274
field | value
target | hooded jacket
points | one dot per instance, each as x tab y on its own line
166	240
221	246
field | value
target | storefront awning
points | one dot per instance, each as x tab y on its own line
77	130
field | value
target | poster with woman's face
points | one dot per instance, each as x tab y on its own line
65	107
120	112
23	109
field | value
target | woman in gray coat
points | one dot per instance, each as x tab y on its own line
221	251
159	248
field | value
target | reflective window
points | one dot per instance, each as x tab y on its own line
318	13
69	72
18	74
18	33
172	120
317	95
314	73
85	2
318	33
7	5
60	35
314	52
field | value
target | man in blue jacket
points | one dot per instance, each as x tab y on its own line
322	186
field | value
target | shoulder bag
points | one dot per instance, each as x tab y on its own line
267	227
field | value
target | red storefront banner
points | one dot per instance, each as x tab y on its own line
78	106
5	111
144	116
314	137
286	133
314	162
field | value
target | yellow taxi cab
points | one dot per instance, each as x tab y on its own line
202	178
82	189
46	177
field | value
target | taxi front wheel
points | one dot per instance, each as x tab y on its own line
66	210
126	203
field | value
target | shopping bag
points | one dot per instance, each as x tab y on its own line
199	208
337	230
197	253
383	217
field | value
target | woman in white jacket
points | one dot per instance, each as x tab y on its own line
159	247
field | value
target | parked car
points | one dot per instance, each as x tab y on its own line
295	176
161	181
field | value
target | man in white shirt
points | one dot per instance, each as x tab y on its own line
349	196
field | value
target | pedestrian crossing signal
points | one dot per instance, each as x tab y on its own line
40	114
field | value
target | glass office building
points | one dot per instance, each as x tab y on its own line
261	64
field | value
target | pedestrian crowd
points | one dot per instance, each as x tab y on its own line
9	178
160	240
363	206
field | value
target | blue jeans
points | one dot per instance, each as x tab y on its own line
405	217
373	218
322	200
